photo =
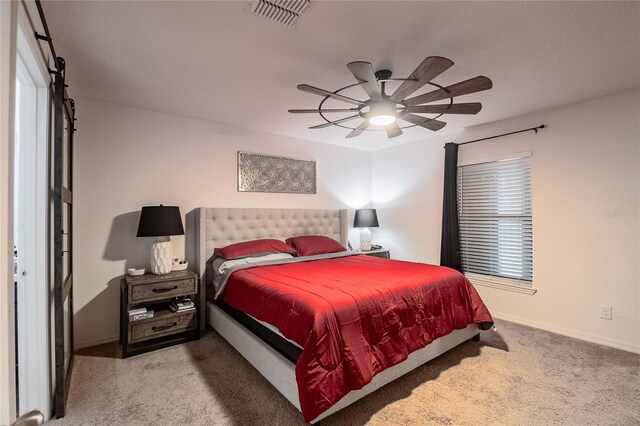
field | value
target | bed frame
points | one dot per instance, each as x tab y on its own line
218	227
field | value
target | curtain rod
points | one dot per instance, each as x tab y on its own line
535	129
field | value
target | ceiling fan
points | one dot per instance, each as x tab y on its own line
383	110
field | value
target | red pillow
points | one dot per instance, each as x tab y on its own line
308	245
253	248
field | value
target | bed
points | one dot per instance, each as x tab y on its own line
275	351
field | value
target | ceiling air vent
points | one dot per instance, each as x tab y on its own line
286	12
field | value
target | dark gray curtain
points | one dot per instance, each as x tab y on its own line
450	243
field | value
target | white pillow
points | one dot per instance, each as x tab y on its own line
248	260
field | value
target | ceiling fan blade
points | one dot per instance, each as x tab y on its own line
473	85
363	72
429	69
358	130
342	120
303	111
469	108
322	92
393	130
427	123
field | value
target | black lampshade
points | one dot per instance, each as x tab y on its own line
160	221
366	218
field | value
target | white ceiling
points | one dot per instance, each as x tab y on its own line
215	61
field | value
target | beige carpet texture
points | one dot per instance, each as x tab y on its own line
516	375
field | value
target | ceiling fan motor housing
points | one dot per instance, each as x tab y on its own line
383	75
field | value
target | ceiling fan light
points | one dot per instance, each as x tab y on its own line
382	113
382	120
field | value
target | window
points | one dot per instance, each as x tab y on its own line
494	204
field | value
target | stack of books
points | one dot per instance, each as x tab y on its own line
138	314
182	305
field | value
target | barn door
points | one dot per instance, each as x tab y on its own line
63	128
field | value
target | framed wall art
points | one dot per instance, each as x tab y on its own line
269	173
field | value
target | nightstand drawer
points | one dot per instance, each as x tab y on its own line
163	326
162	290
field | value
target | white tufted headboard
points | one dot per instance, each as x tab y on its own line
219	227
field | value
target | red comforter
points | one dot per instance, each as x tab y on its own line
354	316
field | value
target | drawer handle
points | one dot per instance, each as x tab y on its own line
164	290
164	327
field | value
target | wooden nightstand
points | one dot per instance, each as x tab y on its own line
376	253
166	328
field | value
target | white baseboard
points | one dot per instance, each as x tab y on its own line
93	342
614	343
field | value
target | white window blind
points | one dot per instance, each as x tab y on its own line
494	205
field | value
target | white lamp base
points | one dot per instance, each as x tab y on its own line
365	239
161	255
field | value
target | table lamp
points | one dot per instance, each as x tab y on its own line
365	219
160	221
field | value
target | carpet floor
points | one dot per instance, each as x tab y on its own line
516	375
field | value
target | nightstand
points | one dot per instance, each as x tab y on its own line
376	253
166	328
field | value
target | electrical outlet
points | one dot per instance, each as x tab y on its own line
605	312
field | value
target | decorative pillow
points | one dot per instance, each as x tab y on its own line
253	248
309	245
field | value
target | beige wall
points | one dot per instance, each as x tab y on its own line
126	158
586	201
